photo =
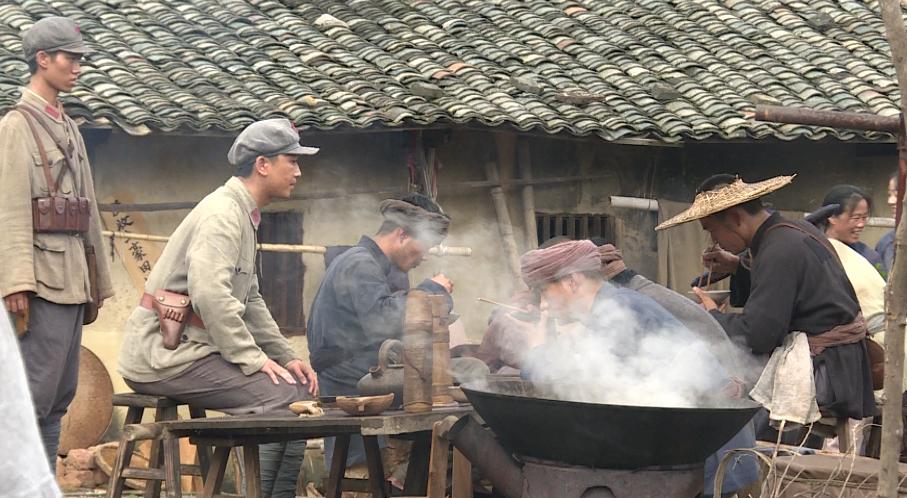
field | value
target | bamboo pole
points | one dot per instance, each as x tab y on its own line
446	189
306	249
528	194
896	311
441	381
417	352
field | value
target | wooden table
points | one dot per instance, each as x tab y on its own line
249	431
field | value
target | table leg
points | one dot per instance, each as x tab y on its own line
377	486
171	447
416	483
215	473
338	466
253	471
203	452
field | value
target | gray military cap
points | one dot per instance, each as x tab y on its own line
267	138
53	34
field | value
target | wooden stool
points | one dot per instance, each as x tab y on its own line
164	409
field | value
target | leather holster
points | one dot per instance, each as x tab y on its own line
173	312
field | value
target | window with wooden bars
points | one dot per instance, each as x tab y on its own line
281	274
577	226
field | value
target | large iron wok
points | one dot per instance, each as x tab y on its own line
600	435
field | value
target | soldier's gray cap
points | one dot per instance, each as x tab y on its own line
54	34
267	138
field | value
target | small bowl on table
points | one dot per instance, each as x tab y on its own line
717	295
362	406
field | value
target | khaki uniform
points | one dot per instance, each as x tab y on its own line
211	258
52	265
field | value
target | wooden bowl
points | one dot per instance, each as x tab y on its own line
365	405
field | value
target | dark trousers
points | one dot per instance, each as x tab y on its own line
50	352
214	383
798	437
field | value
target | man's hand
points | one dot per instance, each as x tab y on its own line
719	260
275	371
17	303
706	302
305	374
100	303
442	280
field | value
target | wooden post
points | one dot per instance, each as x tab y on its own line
585	157
895	312
525	166
895	316
505	226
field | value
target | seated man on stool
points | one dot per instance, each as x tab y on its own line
227	353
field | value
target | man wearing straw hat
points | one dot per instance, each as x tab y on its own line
202	333
798	285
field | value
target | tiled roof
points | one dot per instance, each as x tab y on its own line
658	69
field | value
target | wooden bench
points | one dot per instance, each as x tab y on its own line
165	409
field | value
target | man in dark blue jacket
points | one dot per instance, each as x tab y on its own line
360	303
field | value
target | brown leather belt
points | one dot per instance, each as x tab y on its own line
194	320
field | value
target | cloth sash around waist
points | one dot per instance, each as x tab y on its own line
840	335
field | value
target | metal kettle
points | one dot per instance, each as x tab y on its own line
387	377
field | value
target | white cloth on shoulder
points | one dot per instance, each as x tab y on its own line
787	388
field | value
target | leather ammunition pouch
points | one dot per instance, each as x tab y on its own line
174	311
60	214
55	213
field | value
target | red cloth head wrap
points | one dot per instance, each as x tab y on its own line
547	265
612	261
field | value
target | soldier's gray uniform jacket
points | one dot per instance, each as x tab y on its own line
211	258
52	265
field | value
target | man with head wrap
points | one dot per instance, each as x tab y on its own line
571	280
358	306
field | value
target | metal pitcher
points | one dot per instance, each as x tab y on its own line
387	377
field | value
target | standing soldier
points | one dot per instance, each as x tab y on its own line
50	221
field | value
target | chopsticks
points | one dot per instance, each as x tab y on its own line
708	277
507	306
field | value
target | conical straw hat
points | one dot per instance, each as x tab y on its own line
724	197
